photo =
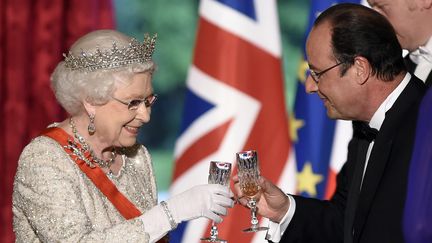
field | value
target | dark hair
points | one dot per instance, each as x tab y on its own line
360	31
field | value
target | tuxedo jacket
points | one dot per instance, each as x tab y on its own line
411	68
377	215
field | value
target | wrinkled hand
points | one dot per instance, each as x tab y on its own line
272	203
210	201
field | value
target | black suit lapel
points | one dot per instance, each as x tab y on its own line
376	167
354	190
382	148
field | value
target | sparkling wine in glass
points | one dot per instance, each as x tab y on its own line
248	173
219	173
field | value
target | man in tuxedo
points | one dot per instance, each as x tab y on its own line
412	21
357	69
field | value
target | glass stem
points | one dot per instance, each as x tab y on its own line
254	219
213	231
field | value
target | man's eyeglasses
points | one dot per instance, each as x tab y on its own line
134	104
316	76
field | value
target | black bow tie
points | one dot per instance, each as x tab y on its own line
364	131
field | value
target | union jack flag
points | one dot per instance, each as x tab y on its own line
234	102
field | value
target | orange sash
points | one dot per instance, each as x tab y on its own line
96	175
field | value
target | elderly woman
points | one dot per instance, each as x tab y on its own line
86	179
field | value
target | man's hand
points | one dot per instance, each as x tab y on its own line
272	203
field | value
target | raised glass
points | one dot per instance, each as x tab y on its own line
219	173
248	173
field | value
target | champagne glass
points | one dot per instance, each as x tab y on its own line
219	173
248	173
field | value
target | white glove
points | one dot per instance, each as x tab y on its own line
210	201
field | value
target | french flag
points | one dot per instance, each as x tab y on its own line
235	101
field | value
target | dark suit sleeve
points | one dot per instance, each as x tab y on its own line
321	220
317	220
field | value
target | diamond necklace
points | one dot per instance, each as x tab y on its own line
102	163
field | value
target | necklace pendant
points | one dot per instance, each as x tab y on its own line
85	153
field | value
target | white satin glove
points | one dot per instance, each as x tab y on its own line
210	201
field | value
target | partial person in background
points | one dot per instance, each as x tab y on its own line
86	179
357	69
412	21
418	209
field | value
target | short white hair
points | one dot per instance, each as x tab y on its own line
72	87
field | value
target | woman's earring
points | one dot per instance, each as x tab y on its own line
91	127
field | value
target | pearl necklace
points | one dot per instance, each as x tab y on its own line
80	139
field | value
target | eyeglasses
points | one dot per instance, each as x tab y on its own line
316	76
134	104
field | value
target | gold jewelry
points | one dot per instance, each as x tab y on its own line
86	148
135	52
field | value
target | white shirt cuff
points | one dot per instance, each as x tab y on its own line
276	230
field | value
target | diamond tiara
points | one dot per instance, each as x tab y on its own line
135	52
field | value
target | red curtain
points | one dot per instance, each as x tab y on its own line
33	36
